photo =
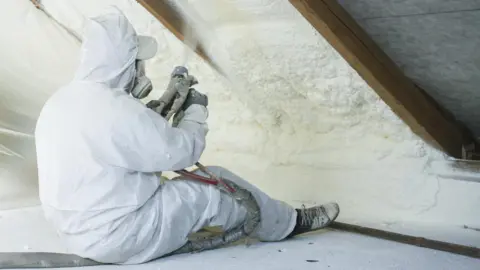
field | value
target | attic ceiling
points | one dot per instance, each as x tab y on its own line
418	55
436	43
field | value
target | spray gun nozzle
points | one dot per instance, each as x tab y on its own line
180	71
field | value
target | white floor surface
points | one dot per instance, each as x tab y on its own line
26	230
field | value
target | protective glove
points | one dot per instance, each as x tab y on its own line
155	104
193	97
174	97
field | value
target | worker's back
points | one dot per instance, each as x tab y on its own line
77	139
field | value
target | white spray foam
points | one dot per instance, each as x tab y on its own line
293	117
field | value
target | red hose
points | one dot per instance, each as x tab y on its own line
197	177
203	179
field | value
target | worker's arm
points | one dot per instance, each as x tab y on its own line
146	142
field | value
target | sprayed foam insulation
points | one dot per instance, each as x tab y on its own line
298	121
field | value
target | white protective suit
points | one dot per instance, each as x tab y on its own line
98	150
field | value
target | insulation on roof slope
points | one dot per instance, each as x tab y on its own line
298	122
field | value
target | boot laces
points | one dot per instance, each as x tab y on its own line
313	216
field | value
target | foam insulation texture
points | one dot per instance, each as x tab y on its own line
435	42
294	118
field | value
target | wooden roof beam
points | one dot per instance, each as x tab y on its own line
163	11
418	110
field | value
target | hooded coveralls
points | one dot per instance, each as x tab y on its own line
99	150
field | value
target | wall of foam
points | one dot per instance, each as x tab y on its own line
297	121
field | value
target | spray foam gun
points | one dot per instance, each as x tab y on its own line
177	91
170	103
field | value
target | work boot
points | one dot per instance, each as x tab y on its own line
314	218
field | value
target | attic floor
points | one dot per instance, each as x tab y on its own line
26	230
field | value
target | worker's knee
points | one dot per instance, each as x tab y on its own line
224	173
217	170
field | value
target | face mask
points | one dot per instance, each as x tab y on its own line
142	86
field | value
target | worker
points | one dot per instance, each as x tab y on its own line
100	151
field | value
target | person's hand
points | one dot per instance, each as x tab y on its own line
194	97
155	104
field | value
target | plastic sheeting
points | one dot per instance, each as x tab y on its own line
40	53
37	56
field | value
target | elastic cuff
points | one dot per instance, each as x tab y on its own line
293	224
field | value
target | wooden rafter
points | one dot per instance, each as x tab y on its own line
418	110
173	21
469	251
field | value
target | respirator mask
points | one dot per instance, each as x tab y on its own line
142	85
